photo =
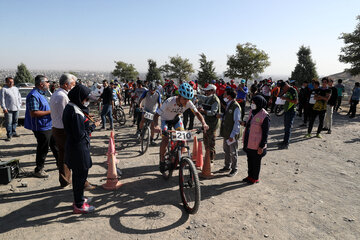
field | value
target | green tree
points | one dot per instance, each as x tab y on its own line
178	68
23	75
248	62
351	51
207	72
124	71
153	72
305	69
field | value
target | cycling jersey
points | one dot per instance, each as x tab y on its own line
150	101
170	109
138	93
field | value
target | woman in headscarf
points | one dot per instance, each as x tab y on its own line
255	137
78	127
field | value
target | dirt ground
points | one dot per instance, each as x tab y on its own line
310	191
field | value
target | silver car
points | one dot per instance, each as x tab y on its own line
24	91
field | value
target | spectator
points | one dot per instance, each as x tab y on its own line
78	126
308	109
340	90
38	119
10	102
242	92
230	129
255	137
58	101
354	100
322	95
274	94
107	97
232	84
330	107
290	95
210	108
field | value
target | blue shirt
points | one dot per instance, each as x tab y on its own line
356	94
242	94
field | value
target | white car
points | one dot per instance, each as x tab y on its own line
24	91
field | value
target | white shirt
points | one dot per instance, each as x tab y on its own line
170	109
10	98
58	101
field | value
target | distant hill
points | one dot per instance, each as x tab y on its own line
348	80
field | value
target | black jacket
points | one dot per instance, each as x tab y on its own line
78	129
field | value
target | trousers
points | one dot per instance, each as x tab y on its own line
231	154
44	140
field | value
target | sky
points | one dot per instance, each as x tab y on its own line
92	34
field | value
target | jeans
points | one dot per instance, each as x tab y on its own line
338	103
352	110
288	122
107	111
11	118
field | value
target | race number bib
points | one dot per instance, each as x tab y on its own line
149	116
183	135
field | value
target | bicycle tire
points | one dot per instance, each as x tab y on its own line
122	117
169	166
279	110
145	139
189	185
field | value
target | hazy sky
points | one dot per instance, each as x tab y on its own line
91	34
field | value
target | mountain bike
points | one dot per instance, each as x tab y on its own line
119	113
188	177
145	133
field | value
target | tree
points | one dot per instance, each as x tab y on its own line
248	62
23	75
207	72
305	69
153	72
351	51
178	68
124	71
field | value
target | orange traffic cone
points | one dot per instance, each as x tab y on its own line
195	149
199	160
112	182
206	171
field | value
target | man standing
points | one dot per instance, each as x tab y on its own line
230	129
354	100
290	95
10	101
340	90
210	109
38	119
242	92
107	97
330	107
58	102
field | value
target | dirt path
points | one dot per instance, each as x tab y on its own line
310	191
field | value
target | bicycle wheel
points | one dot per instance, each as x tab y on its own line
168	166
189	185
279	110
145	139
121	117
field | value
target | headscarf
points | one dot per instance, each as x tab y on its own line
78	94
260	103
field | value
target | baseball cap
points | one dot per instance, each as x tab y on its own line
210	87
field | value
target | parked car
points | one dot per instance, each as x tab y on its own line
24	91
25	85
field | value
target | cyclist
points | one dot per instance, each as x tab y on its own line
171	112
138	92
150	101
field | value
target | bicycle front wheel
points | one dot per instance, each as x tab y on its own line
122	117
145	139
189	185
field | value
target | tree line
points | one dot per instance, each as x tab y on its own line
248	62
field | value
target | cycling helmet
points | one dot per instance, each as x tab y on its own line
152	86
186	91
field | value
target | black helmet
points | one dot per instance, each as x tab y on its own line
152	86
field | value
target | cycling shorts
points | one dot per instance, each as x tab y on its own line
177	124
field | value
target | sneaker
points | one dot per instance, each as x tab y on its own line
224	170
41	174
16	135
329	131
246	180
8	139
307	135
85	208
318	135
324	129
233	172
